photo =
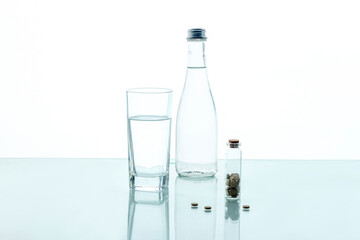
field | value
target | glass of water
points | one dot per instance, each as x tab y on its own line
149	129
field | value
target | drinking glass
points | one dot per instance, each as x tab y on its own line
149	129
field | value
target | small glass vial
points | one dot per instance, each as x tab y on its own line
233	170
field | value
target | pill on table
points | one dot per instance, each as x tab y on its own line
194	204
246	207
207	208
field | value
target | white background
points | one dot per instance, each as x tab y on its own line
284	74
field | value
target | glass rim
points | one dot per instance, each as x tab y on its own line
149	90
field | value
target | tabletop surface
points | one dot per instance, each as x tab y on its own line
90	199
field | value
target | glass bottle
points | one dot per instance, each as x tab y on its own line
233	170
196	125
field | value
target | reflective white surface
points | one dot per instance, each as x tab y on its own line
89	199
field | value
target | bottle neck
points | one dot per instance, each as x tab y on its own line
196	54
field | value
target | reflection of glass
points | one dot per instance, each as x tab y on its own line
148	215
195	223
232	220
149	124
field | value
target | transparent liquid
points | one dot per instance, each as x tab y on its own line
149	145
196	128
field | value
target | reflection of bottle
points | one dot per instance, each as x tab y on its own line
195	223
232	220
148	215
196	124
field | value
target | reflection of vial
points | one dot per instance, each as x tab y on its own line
233	170
232	220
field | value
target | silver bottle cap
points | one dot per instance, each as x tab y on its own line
196	34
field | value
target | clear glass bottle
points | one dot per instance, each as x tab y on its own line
196	125
233	170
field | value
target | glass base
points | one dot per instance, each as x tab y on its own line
157	183
196	174
232	198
